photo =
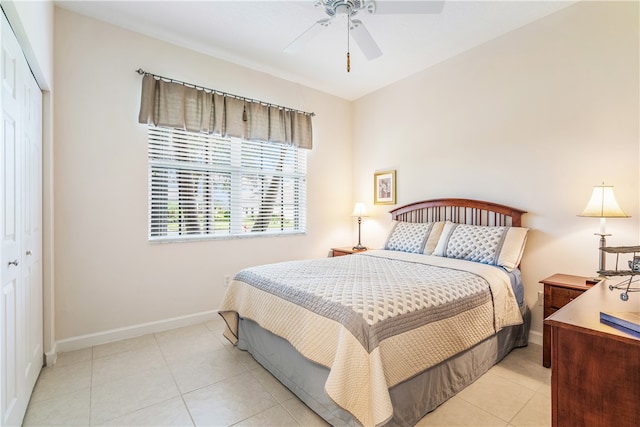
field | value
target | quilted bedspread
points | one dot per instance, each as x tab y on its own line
374	319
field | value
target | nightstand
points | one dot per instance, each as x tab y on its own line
559	290
347	250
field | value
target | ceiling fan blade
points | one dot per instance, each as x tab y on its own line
366	43
408	7
309	33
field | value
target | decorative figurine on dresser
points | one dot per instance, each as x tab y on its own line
624	285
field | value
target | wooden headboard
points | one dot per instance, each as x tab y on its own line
462	211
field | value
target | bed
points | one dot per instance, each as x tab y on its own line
383	337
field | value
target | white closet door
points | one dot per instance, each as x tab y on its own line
21	354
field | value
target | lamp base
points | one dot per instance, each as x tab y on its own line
603	259
359	246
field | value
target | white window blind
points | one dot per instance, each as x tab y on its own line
204	186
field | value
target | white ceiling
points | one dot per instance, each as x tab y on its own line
255	33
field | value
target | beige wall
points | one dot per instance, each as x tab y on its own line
107	275
533	119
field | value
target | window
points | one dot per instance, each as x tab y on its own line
205	187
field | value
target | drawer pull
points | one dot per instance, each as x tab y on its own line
14	262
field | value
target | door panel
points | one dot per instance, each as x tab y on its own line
9	359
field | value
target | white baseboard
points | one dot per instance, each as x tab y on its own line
535	337
89	340
51	357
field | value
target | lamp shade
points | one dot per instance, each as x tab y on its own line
359	210
603	204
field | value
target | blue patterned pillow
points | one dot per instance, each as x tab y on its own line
408	237
478	244
502	246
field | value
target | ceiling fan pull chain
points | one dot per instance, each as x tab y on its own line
348	46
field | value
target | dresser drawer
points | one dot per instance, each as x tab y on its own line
559	297
346	250
559	290
337	252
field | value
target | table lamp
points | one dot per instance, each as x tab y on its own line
603	205
359	210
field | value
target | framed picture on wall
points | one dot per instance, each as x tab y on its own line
384	188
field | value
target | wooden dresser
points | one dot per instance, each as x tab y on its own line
595	368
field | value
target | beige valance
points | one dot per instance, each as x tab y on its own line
174	104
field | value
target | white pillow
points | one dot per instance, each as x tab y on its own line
434	237
501	246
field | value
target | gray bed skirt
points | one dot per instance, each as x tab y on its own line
412	399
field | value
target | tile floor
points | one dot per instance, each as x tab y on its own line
193	376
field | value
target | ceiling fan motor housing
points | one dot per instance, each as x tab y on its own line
346	7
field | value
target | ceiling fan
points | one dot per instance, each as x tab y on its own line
355	27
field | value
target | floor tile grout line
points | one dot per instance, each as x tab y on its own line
256	414
246	371
165	365
275	398
539	386
172	377
521	409
291	414
474	405
55	396
180	393
510	380
496	415
139	409
124	351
